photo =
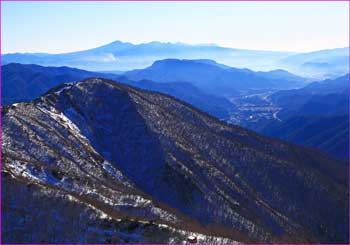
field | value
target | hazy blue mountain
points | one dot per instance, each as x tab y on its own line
282	75
215	78
117	164
324	98
126	56
332	104
122	56
315	116
320	64
26	82
217	106
337	85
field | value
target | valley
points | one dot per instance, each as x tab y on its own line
253	110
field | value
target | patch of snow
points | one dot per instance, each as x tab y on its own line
63	120
275	116
103	215
109	168
67	86
33	173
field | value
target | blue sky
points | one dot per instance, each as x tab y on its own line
56	27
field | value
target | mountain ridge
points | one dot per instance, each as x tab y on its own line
182	154
214	77
22	83
123	56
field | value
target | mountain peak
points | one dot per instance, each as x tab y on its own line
173	61
145	144
113	47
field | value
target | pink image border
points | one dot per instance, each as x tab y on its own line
1	139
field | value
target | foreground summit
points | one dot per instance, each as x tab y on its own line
101	162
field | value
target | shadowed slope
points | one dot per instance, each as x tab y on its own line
213	172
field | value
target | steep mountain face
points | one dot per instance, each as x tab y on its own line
67	192
126	56
105	148
215	78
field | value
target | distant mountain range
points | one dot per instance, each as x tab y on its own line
21	83
101	162
327	97
214	105
310	108
122	56
324	63
126	56
216	78
202	83
26	82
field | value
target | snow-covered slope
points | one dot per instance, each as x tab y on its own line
66	192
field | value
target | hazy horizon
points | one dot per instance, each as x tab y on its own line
179	42
52	27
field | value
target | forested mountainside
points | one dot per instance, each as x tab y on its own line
125	160
316	116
